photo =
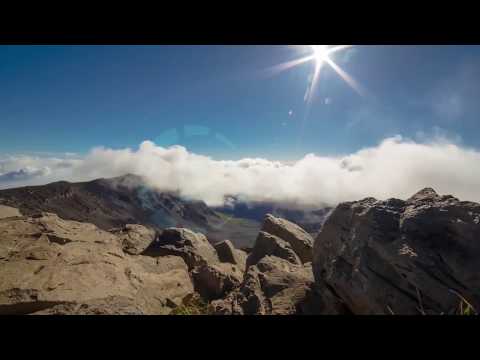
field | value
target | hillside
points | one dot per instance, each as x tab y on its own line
111	203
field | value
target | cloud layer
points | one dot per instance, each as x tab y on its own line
395	168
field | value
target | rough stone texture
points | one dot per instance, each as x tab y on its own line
193	247
401	257
215	281
321	300
115	305
300	241
46	261
7	212
273	286
270	245
228	254
135	238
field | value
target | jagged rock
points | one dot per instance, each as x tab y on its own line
270	245
135	238
321	300
216	280
273	286
228	254
47	261
8	212
402	257
424	195
300	241
193	247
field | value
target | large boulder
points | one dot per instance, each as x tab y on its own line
300	241
271	245
135	238
228	254
216	280
46	261
273	286
402	257
192	247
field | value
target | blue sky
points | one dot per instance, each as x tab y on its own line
221	101
78	113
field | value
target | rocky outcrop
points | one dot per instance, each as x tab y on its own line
402	257
192	247
50	263
300	241
273	286
277	282
228	254
53	266
270	245
135	238
213	281
418	256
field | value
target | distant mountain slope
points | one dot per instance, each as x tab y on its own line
97	202
110	203
310	220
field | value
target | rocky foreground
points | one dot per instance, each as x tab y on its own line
419	256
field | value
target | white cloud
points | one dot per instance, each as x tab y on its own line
395	168
25	173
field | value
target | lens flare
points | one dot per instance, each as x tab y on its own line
320	52
321	55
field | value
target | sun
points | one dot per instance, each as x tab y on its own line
320	53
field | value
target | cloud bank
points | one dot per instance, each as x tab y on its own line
397	167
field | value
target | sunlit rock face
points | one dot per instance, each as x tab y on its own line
54	266
402	257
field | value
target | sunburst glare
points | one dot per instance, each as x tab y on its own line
321	55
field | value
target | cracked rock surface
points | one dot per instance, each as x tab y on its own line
402	257
47	262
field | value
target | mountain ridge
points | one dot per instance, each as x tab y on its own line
114	202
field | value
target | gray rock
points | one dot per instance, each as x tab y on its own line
192	247
228	254
401	257
270	245
273	286
216	280
135	238
49	262
300	241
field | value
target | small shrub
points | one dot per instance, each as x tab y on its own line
464	308
192	305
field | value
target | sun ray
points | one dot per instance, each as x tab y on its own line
346	77
290	64
314	82
321	56
338	48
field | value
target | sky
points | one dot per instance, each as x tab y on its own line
171	112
